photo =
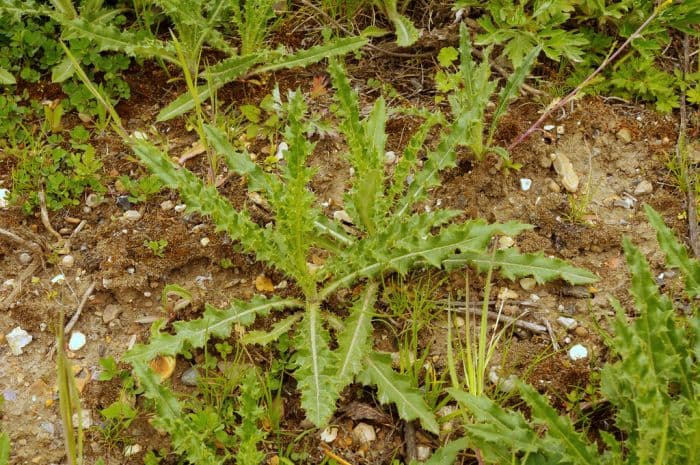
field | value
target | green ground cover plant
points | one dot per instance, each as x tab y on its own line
652	384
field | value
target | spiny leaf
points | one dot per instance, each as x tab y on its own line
315	369
354	341
213	323
406	32
163	398
676	254
559	428
263	338
396	388
513	264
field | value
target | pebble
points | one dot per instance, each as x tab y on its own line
580	331
25	258
364	433
93	200
553	187
528	284
545	161
643	187
4	195
68	261
423	453
167	205
390	157
123	202
180	207
568	323
131	449
505	241
204	241
111	312
578	352
17	339
565	170
561	130
281	149
525	184
342	215
77	341
625	135
132	215
329	434
190	376
626	202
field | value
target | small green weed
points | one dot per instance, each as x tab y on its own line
142	188
64	170
157	247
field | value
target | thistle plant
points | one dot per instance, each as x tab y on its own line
390	235
652	384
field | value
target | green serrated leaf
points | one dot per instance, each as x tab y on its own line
559	428
280	328
213	323
396	388
354	341
513	264
447	56
63	70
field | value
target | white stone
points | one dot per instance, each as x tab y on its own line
283	147
568	323
132	215
25	258
528	284
77	341
525	184
204	241
342	215
131	449
93	200
364	433
548	127
565	170
4	195
505	241
180	207
68	261
58	278
17	339
389	157
423	453
167	205
329	434
578	352
643	187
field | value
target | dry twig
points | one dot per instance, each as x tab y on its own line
76	315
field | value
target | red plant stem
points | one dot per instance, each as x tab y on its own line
585	82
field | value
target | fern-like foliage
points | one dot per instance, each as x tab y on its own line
388	236
653	385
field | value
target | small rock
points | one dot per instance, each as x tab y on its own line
525	184
507	294
626	202
423	453
580	331
167	205
4	195
568	323
342	215
553	187
123	202
111	312
85	419
68	261
545	161
625	135
77	341
329	434
364	433
528	284
190	377
17	339
643	187
93	200
58	278
565	170
180	207
505	242
131	449
560	130
132	215
578	352
204	241
107	283
390	157
548	127
281	149
25	258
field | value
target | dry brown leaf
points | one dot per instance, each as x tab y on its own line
263	284
164	366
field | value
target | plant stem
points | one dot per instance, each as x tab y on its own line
590	77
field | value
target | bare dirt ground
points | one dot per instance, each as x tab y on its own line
616	149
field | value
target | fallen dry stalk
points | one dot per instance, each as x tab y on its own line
499	317
76	315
